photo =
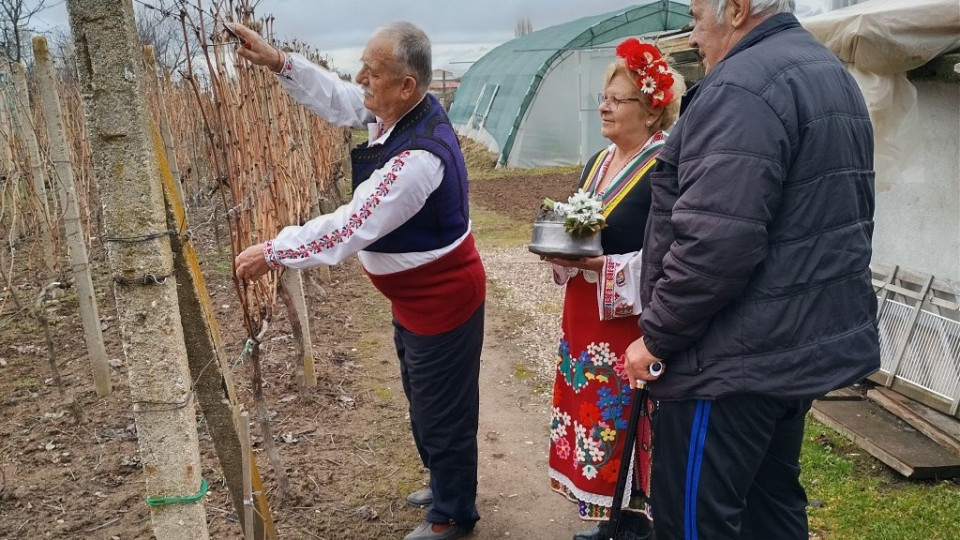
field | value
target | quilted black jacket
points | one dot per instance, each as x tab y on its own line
756	273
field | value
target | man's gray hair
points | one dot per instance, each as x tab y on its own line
759	7
412	52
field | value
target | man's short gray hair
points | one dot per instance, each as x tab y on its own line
412	52
759	7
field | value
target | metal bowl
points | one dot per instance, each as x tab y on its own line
551	240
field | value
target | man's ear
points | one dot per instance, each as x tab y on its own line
738	11
409	86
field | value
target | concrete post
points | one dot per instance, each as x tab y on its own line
141	262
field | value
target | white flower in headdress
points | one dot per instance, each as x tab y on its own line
648	85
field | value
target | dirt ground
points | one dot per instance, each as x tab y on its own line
346	444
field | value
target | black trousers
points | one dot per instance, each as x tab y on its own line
728	469
441	380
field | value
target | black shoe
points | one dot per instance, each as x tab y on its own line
424	531
632	527
421	498
593	533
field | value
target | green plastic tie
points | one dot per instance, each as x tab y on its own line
167	501
247	347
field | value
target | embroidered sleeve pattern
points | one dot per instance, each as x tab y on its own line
287	66
269	255
387	199
344	233
618	289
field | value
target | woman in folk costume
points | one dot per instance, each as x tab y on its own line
591	394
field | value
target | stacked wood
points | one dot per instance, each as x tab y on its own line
888	438
910	421
940	428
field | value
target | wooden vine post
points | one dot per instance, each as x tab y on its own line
11	201
39	209
291	291
67	189
141	262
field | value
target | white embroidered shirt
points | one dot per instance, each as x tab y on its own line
392	195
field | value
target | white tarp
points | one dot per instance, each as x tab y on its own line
879	41
889	36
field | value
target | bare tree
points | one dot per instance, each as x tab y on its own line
15	28
158	24
523	27
63	55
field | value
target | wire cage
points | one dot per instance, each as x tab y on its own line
919	324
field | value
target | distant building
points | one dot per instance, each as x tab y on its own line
444	85
840	4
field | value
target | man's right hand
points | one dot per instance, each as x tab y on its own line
251	264
255	49
636	362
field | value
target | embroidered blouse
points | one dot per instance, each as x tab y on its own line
618	291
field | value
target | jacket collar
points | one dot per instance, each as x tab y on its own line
769	27
414	116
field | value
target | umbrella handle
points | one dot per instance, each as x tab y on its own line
655	369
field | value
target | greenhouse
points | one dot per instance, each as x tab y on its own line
532	100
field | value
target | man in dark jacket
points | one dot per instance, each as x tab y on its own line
756	280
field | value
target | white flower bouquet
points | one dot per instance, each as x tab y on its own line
582	214
569	230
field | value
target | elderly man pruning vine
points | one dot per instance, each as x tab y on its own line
755	279
408	221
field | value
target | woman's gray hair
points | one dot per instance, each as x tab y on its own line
412	52
759	7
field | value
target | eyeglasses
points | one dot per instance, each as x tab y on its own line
614	102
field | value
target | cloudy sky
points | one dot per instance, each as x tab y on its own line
461	31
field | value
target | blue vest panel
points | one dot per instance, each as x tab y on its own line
446	215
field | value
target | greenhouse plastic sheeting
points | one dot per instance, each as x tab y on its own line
533	99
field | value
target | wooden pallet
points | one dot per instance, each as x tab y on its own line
888	438
942	429
919	320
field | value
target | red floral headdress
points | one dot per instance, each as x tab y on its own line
653	75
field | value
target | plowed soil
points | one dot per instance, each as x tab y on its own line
345	444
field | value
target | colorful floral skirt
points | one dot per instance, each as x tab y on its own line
591	408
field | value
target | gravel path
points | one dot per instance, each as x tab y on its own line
527	288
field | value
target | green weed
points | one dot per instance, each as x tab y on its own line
855	497
493	230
